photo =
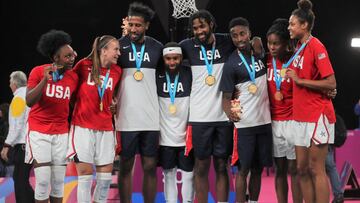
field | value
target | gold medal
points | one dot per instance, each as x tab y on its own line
283	72
138	75
252	88
210	80
101	106
172	108
278	95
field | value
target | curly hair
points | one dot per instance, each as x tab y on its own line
139	9
279	27
204	15
50	42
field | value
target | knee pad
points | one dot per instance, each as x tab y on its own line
57	181
42	185
103	181
187	188
170	185
84	188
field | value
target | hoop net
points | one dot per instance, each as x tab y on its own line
183	8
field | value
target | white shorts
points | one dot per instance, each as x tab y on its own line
321	132
92	146
283	139
46	148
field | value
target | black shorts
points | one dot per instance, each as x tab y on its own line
144	142
255	149
171	157
212	140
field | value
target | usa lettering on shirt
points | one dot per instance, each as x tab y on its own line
180	87
209	55
298	62
109	84
146	56
58	91
271	75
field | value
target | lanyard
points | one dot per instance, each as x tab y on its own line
172	90
278	78
250	69
101	90
209	66
139	59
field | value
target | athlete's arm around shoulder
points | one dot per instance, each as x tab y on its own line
322	62
37	81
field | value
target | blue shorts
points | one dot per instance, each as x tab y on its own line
144	142
255	149
171	157
212	140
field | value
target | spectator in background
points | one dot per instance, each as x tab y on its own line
15	140
330	166
4	128
357	112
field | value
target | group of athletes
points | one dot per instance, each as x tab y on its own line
229	100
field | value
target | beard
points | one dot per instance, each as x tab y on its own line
207	37
137	37
176	69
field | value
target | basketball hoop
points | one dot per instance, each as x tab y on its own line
183	8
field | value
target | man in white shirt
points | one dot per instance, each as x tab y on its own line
18	116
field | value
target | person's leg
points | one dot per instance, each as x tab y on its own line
167	160
222	179
317	168
149	145
103	181
331	171
303	171
58	168
57	183
241	185
262	157
187	187
186	165
201	173
40	145
23	190
125	178
103	159
280	147
85	180
129	147
295	185
222	149
149	179
202	145
255	183
42	184
170	186
281	183
246	149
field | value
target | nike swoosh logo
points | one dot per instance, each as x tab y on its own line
125	47
241	63
196	45
161	76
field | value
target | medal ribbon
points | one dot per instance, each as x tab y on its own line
101	90
209	66
56	76
250	69
295	55
172	90
278	78
138	60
